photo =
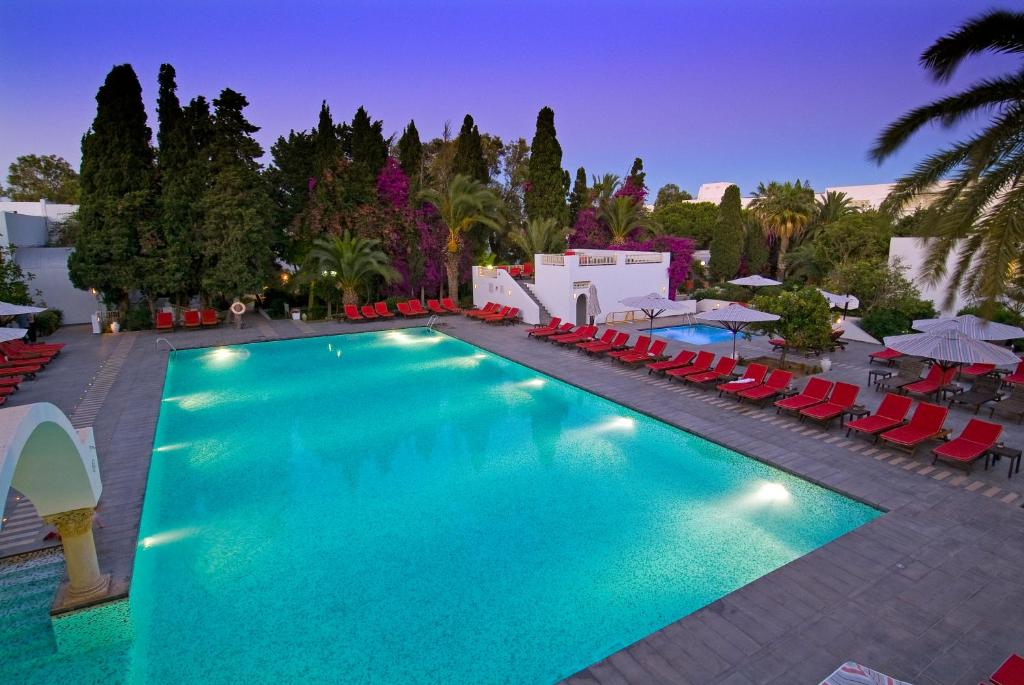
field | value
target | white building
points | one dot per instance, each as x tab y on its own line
867	196
910	254
25	227
562	282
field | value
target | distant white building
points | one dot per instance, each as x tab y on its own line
867	196
562	283
25	227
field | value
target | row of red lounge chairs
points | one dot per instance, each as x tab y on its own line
409	309
190	318
821	400
22	361
889	356
492	312
518	270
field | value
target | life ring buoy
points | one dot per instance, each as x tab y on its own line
237	308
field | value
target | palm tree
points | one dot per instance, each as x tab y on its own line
977	213
539	236
465	203
350	263
833	206
603	188
622	215
784	210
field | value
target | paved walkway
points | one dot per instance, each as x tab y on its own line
931	592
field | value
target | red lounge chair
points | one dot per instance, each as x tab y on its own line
777	343
528	270
12	352
545	330
976	439
381	310
814	392
1011	672
489	308
416	308
11	381
450	306
619	342
777	381
540	335
723	369
210	317
367	311
932	384
925	424
886	356
8	362
843	396
891	412
1017	376
700	364
21	345
515	271
754	372
655	352
499	313
642	343
164	321
582	334
609	335
191	318
679	361
352	313
435	306
6	390
976	370
16	371
511	316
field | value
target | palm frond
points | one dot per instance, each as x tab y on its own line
995	31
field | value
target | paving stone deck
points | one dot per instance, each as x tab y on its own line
931	592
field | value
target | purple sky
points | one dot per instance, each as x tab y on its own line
704	91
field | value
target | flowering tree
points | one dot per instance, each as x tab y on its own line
681	250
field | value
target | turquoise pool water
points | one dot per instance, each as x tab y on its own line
695	334
402	507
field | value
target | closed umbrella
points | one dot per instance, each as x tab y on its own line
593	304
972	326
654	305
755	281
949	347
736	317
844	302
12	334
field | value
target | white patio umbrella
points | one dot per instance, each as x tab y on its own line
654	305
844	302
736	317
755	281
593	304
972	326
12	334
949	347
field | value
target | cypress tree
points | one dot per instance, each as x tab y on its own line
727	241
545	194
756	248
469	153
636	173
236	224
165	273
367	149
289	178
326	144
410	156
579	197
117	190
168	111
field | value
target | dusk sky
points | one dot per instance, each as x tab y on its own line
738	91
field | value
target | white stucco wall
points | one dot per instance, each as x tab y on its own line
495	285
911	253
53	212
49	268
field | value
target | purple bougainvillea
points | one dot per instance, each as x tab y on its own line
393	185
588	231
681	250
632	189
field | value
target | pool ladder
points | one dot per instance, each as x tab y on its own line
169	344
431	322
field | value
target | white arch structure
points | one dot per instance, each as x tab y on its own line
54	465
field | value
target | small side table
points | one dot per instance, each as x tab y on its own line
788	392
1013	455
854	412
876	375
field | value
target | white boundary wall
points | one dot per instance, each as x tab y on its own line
911	252
496	285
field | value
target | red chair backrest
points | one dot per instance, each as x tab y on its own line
982	432
608	335
779	379
403	308
641	344
929	417
164	319
704	359
755	371
514	312
895	407
416	306
565	328
447	302
554	322
191	316
620	339
433	304
210	313
367	310
657	348
381	308
817	388
725	365
947	376
503	311
352	312
935	374
844	394
528	268
684	356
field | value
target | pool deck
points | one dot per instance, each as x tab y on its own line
931	592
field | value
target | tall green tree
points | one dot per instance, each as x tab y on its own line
546	190
237	242
784	210
289	178
977	214
637	173
755	246
670	194
469	153
326	141
728	237
805	319
410	156
465	203
580	195
34	177
539	236
367	150
117	190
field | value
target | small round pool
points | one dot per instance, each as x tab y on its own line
695	334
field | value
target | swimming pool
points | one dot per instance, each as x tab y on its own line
695	334
405	507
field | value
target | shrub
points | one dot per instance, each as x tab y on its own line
49	321
805	323
138	319
883	321
725	291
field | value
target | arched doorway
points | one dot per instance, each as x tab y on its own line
55	467
581	309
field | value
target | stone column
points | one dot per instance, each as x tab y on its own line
85	579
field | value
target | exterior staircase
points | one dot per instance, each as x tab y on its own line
528	287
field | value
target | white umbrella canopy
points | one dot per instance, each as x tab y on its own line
12	334
736	317
593	304
950	347
756	281
654	305
840	301
8	309
972	326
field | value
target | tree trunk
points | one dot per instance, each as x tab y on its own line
349	296
783	247
451	265
312	296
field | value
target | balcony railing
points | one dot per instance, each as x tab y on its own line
651	258
552	260
580	285
486	272
598	260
